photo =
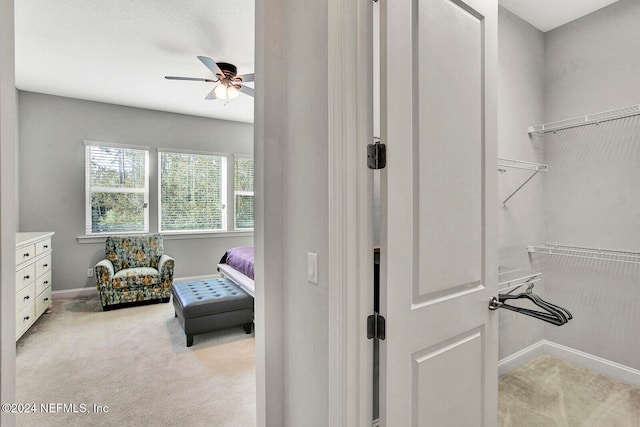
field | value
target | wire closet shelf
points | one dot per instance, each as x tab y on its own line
590	253
512	278
596	118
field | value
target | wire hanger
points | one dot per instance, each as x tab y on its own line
552	313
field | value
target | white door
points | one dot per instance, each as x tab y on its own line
439	198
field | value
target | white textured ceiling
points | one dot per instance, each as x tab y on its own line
546	15
118	51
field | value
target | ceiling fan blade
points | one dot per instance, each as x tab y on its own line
246	90
246	77
212	94
211	65
195	79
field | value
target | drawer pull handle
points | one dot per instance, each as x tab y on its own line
24	255
26	277
27	297
26	318
46	246
46	282
46	299
45	265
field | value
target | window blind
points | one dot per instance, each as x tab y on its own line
117	189
192	191
243	183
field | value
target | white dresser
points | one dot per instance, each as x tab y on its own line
33	278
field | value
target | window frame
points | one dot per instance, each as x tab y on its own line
244	193
89	189
223	190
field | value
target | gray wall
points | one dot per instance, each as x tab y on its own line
52	184
8	210
589	196
292	210
593	184
305	213
521	220
592	63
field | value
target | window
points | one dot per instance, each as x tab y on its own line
117	189
243	192
192	191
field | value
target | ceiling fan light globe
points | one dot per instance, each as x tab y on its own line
225	92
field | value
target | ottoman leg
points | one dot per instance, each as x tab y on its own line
189	340
247	328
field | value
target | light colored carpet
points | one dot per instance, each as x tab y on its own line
551	392
133	360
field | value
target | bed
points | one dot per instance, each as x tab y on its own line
237	266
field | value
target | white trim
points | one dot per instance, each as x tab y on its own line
338	237
186	151
606	367
90	143
521	357
169	235
350	128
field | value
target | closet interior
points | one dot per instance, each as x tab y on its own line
569	207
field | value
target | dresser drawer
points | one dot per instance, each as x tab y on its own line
43	282
24	319
25	253
43	246
25	297
43	265
24	276
43	301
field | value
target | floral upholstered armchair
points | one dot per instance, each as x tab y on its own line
135	269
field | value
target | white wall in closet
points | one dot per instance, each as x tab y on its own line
593	183
589	196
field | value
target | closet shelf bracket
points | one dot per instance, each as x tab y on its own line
512	278
519	164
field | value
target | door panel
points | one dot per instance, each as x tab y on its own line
439	212
457	365
447	87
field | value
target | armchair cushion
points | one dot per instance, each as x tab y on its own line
134	251
136	277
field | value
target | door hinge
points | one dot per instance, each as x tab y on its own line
376	327
376	154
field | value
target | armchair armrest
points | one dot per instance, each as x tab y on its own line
165	267
104	274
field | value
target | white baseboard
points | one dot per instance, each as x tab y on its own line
606	367
91	291
521	357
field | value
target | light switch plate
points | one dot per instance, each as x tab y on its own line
312	267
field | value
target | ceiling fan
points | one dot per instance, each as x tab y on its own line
227	75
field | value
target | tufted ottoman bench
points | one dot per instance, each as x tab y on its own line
206	305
